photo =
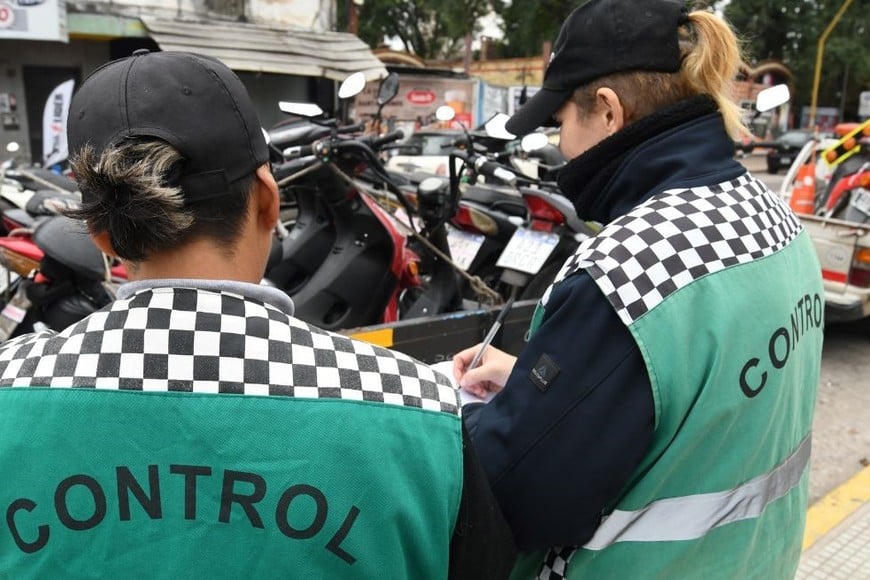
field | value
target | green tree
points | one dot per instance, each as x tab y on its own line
427	28
789	31
528	24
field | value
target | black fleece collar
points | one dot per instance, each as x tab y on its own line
676	144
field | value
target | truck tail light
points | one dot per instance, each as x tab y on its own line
859	274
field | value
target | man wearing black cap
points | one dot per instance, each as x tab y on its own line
657	423
194	428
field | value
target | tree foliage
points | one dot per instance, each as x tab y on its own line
789	31
781	30
528	24
428	28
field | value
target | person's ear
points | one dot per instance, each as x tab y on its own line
268	202
611	109
104	243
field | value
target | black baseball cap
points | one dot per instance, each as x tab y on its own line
193	102
599	38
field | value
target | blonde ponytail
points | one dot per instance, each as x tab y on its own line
712	59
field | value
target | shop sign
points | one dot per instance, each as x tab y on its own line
33	20
421	97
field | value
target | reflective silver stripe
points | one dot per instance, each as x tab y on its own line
692	516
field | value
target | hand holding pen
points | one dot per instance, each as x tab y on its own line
483	369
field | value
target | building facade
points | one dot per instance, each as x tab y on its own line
282	50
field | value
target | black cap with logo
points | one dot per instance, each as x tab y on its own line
193	102
599	38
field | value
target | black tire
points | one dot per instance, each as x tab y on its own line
772	168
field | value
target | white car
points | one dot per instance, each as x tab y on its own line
424	152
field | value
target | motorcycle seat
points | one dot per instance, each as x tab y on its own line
60	181
67	241
20	216
48	202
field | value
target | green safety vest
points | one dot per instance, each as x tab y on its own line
321	457
727	311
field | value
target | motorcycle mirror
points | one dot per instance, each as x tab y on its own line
495	127
300	109
445	113
389	89
772	97
12	147
352	85
534	141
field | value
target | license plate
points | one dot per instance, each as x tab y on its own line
463	246
861	200
528	250
786	160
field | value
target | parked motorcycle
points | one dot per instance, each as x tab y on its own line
53	278
26	193
847	196
369	273
515	237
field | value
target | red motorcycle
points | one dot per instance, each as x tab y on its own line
54	276
848	194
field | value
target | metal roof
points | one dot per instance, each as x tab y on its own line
260	48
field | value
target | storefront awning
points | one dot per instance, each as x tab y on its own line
261	48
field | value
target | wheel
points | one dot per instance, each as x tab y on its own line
772	168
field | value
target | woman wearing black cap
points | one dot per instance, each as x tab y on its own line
657	423
194	428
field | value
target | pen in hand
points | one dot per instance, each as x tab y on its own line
492	332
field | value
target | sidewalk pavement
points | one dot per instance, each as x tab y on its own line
837	538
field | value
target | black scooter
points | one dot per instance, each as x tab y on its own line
517	241
369	273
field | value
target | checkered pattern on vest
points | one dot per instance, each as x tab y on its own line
555	564
678	236
199	341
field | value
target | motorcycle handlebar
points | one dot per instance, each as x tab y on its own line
372	142
352	128
378	142
488	168
298	151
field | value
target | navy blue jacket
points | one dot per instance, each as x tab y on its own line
557	459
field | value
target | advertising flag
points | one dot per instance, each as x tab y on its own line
54	146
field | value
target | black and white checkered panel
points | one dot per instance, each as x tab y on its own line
208	342
679	236
555	564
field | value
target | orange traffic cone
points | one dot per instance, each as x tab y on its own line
803	195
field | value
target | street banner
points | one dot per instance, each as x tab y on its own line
418	99
33	20
54	145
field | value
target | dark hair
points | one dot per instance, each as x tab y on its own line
128	192
711	58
